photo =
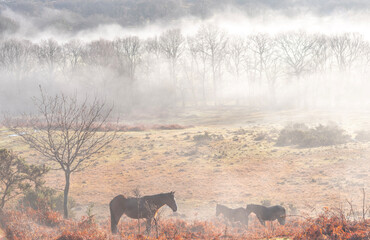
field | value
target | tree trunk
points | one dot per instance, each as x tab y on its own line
2	203
204	83
66	191
214	84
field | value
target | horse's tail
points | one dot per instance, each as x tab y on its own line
116	210
113	224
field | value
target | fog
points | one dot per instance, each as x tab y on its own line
250	66
295	54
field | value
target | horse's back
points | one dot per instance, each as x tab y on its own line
276	211
238	214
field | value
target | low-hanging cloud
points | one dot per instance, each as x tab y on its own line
273	18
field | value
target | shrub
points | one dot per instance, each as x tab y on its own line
260	136
266	203
206	137
331	225
45	198
202	137
363	136
17	176
302	136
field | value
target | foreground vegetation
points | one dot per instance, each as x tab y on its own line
31	224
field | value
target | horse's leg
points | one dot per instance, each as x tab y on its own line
261	221
232	222
272	226
156	226
148	225
281	220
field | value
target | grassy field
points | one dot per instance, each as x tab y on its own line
226	157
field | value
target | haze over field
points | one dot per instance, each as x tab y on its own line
152	56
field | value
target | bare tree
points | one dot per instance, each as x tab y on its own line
98	53
261	47
153	46
72	55
16	57
347	48
65	131
197	49
128	52
215	42
171	43
320	54
296	52
273	72
49	54
260	62
237	49
151	62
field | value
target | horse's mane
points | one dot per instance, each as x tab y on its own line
263	207
152	196
159	195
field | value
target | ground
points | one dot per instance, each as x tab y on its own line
225	156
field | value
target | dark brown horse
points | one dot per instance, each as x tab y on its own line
144	207
233	215
267	213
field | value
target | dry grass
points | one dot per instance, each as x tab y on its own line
235	166
233	170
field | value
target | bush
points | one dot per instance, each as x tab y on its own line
260	137
45	198
17	176
266	203
331	225
206	137
363	136
302	136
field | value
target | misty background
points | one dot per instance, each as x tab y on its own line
157	56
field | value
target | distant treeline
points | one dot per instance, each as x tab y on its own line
210	67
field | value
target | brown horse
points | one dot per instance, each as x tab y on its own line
267	213
144	207
234	215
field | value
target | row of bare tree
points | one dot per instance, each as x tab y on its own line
210	66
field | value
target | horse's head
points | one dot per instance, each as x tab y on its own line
249	209
245	218
281	220
242	216
170	201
